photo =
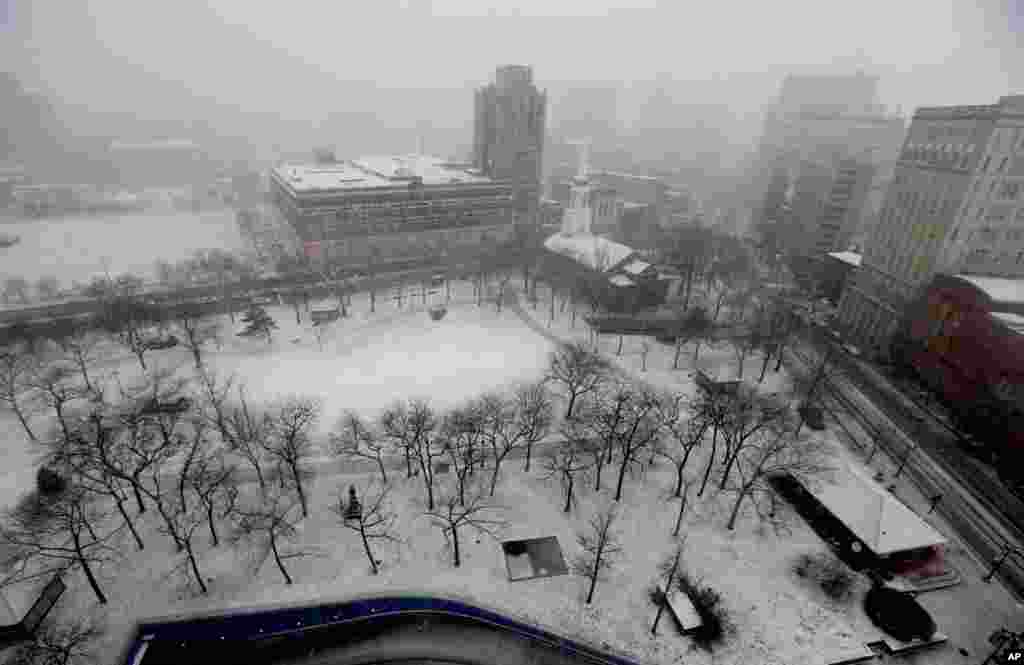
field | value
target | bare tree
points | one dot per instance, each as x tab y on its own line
271	516
462	434
17	392
195	334
93	458
534	415
568	461
131	321
184	520
80	348
500	429
61	640
600	544
639	429
577	369
57	531
450	517
354	436
374	521
804	458
713	407
682	432
749	418
213	482
807	386
290	444
58	390
503	282
393	425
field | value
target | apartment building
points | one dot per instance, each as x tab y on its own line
954	205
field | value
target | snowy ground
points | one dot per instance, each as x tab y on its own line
79	247
369	360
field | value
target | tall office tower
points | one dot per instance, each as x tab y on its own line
823	118
508	135
954	205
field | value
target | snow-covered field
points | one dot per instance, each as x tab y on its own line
369	360
74	249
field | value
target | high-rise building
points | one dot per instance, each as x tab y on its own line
955	204
508	135
824	119
840	219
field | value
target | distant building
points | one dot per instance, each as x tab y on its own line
956	203
165	163
392	209
585	112
821	119
509	133
608	272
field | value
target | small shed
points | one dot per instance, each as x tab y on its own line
886	527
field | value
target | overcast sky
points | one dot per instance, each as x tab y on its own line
284	56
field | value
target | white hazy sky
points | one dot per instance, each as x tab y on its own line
254	52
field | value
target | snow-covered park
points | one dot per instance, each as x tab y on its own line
77	248
369	360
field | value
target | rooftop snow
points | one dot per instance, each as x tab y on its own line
595	252
853	258
620	280
999	289
879	519
1013	321
375	171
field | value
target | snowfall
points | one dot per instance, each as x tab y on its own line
77	248
367	361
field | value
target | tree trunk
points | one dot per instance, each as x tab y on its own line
300	490
736	509
618	351
195	568
408	462
622	475
729	461
598	467
593	579
277	559
21	419
142	361
494	475
455	546
529	452
568	493
209	522
131	526
711	461
85	374
383	473
682	511
138	497
778	361
764	367
572	403
89	574
679	351
696	351
366	547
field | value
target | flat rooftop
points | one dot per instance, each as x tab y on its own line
376	172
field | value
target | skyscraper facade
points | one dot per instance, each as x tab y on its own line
508	135
954	205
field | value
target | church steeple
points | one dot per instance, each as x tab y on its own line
579	216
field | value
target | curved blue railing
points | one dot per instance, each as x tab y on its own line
250	624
